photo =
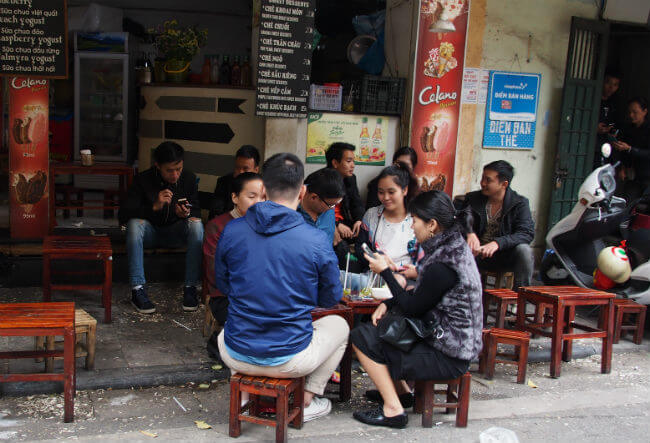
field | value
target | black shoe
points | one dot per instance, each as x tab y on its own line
407	399
375	417
213	347
190	299
141	302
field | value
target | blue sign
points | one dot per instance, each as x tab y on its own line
511	113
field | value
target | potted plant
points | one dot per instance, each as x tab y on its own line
178	46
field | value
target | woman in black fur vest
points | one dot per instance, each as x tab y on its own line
447	293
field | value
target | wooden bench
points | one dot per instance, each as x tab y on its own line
289	409
67	247
458	393
489	356
43	319
85	329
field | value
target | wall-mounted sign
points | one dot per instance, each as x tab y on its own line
284	58
28	156
369	133
33	38
437	90
511	113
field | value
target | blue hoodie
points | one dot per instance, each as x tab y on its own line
274	268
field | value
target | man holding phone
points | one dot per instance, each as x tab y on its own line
162	209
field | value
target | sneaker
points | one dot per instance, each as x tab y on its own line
319	407
190	299
141	302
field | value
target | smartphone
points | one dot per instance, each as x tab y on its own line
183	202
367	250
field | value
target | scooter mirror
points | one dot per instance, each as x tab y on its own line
606	150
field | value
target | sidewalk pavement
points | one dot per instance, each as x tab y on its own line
164	348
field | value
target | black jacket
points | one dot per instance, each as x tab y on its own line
351	205
144	192
517	225
639	156
222	199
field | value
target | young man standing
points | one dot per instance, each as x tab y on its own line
503	225
275	269
247	159
325	190
162	209
608	116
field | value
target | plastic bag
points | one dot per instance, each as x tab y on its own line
498	435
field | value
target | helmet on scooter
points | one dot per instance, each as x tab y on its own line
614	263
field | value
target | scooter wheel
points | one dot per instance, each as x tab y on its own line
552	272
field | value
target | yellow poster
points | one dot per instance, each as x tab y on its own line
368	133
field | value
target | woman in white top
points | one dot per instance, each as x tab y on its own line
387	227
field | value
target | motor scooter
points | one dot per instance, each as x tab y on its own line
599	220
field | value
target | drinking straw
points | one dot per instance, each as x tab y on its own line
347	266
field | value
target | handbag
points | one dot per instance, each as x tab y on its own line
403	332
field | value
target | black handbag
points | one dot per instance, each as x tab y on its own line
403	332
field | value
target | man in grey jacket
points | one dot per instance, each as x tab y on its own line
503	225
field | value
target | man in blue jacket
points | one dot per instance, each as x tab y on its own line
275	269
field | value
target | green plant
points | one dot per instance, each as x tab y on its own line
174	42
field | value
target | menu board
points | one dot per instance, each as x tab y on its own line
33	38
284	58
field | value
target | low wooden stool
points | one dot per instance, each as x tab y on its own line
286	411
458	393
497	279
67	247
623	309
37	319
504	299
85	328
520	340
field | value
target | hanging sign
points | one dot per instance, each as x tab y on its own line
437	90
33	38
511	113
28	157
284	58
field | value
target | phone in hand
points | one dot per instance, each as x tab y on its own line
183	202
367	250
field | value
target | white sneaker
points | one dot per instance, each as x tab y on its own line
319	407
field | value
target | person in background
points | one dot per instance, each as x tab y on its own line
608	118
325	190
162	209
448	293
275	269
503	225
247	159
406	155
247	189
634	148
387	227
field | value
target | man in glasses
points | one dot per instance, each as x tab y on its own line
325	190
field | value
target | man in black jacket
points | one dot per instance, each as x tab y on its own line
247	159
162	209
503	225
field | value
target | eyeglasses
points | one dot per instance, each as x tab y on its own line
327	204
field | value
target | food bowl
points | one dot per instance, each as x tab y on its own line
381	293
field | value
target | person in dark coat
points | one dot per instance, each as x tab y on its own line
608	117
503	225
405	155
162	209
447	293
247	159
634	148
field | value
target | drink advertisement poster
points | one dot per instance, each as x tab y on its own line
437	90
368	133
28	157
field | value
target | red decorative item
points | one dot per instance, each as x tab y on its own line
601	281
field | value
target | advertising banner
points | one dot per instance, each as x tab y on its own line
511	112
28	157
437	90
367	132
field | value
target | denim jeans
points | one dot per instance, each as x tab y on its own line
518	260
141	234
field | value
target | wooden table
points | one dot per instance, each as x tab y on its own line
564	300
69	247
365	306
42	319
125	173
345	387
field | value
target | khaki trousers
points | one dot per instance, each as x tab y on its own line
317	361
